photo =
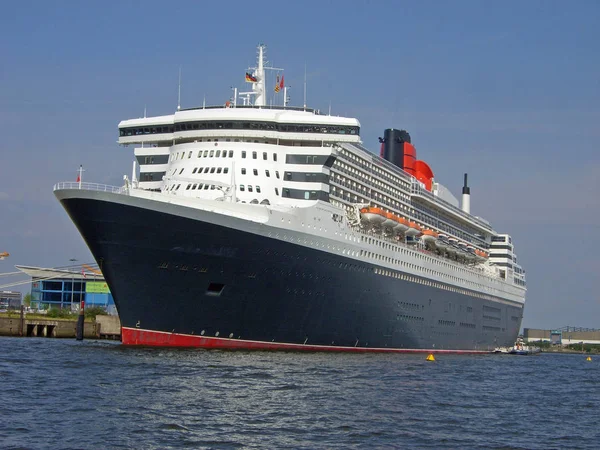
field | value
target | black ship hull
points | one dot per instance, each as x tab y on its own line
183	281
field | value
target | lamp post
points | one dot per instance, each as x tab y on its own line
72	260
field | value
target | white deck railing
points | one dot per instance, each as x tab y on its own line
91	187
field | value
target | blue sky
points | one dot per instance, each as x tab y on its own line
506	91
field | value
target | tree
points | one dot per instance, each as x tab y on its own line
27	300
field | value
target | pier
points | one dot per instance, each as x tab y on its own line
18	324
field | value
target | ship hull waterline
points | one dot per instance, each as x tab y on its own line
196	282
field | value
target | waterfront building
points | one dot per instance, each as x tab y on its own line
66	288
10	300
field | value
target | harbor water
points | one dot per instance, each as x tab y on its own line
99	394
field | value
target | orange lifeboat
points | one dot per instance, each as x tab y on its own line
402	225
429	237
413	230
373	215
390	220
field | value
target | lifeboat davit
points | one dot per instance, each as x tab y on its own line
373	215
401	225
390	220
413	230
429	237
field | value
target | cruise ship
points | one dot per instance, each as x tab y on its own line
259	225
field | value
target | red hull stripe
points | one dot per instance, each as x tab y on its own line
137	336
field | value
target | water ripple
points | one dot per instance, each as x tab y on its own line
91	394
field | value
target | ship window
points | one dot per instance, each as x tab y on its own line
215	289
199	153
206	169
276	191
189	154
195	170
226	170
212	152
242	187
243	153
231	153
181	171
206	187
218	154
249	188
265	156
224	153
255	171
253	155
206	153
243	171
212	170
258	189
274	156
195	186
187	188
267	173
219	170
277	174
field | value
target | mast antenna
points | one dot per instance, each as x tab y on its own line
304	85
179	91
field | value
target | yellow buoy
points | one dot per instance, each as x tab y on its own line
430	357
589	358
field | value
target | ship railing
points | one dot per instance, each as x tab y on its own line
417	189
91	187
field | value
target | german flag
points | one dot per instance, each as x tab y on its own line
250	78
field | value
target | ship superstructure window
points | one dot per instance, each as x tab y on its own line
195	170
226	170
219	169
255	171
277	174
212	170
231	153
249	188
206	169
265	156
181	171
274	156
242	188
243	171
189	155
241	125
205	153
258	189
218	154
243	153
498	239
267	173
212	152
253	155
323	160
276	191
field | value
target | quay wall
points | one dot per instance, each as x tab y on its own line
60	328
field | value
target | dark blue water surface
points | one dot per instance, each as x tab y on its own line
97	394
